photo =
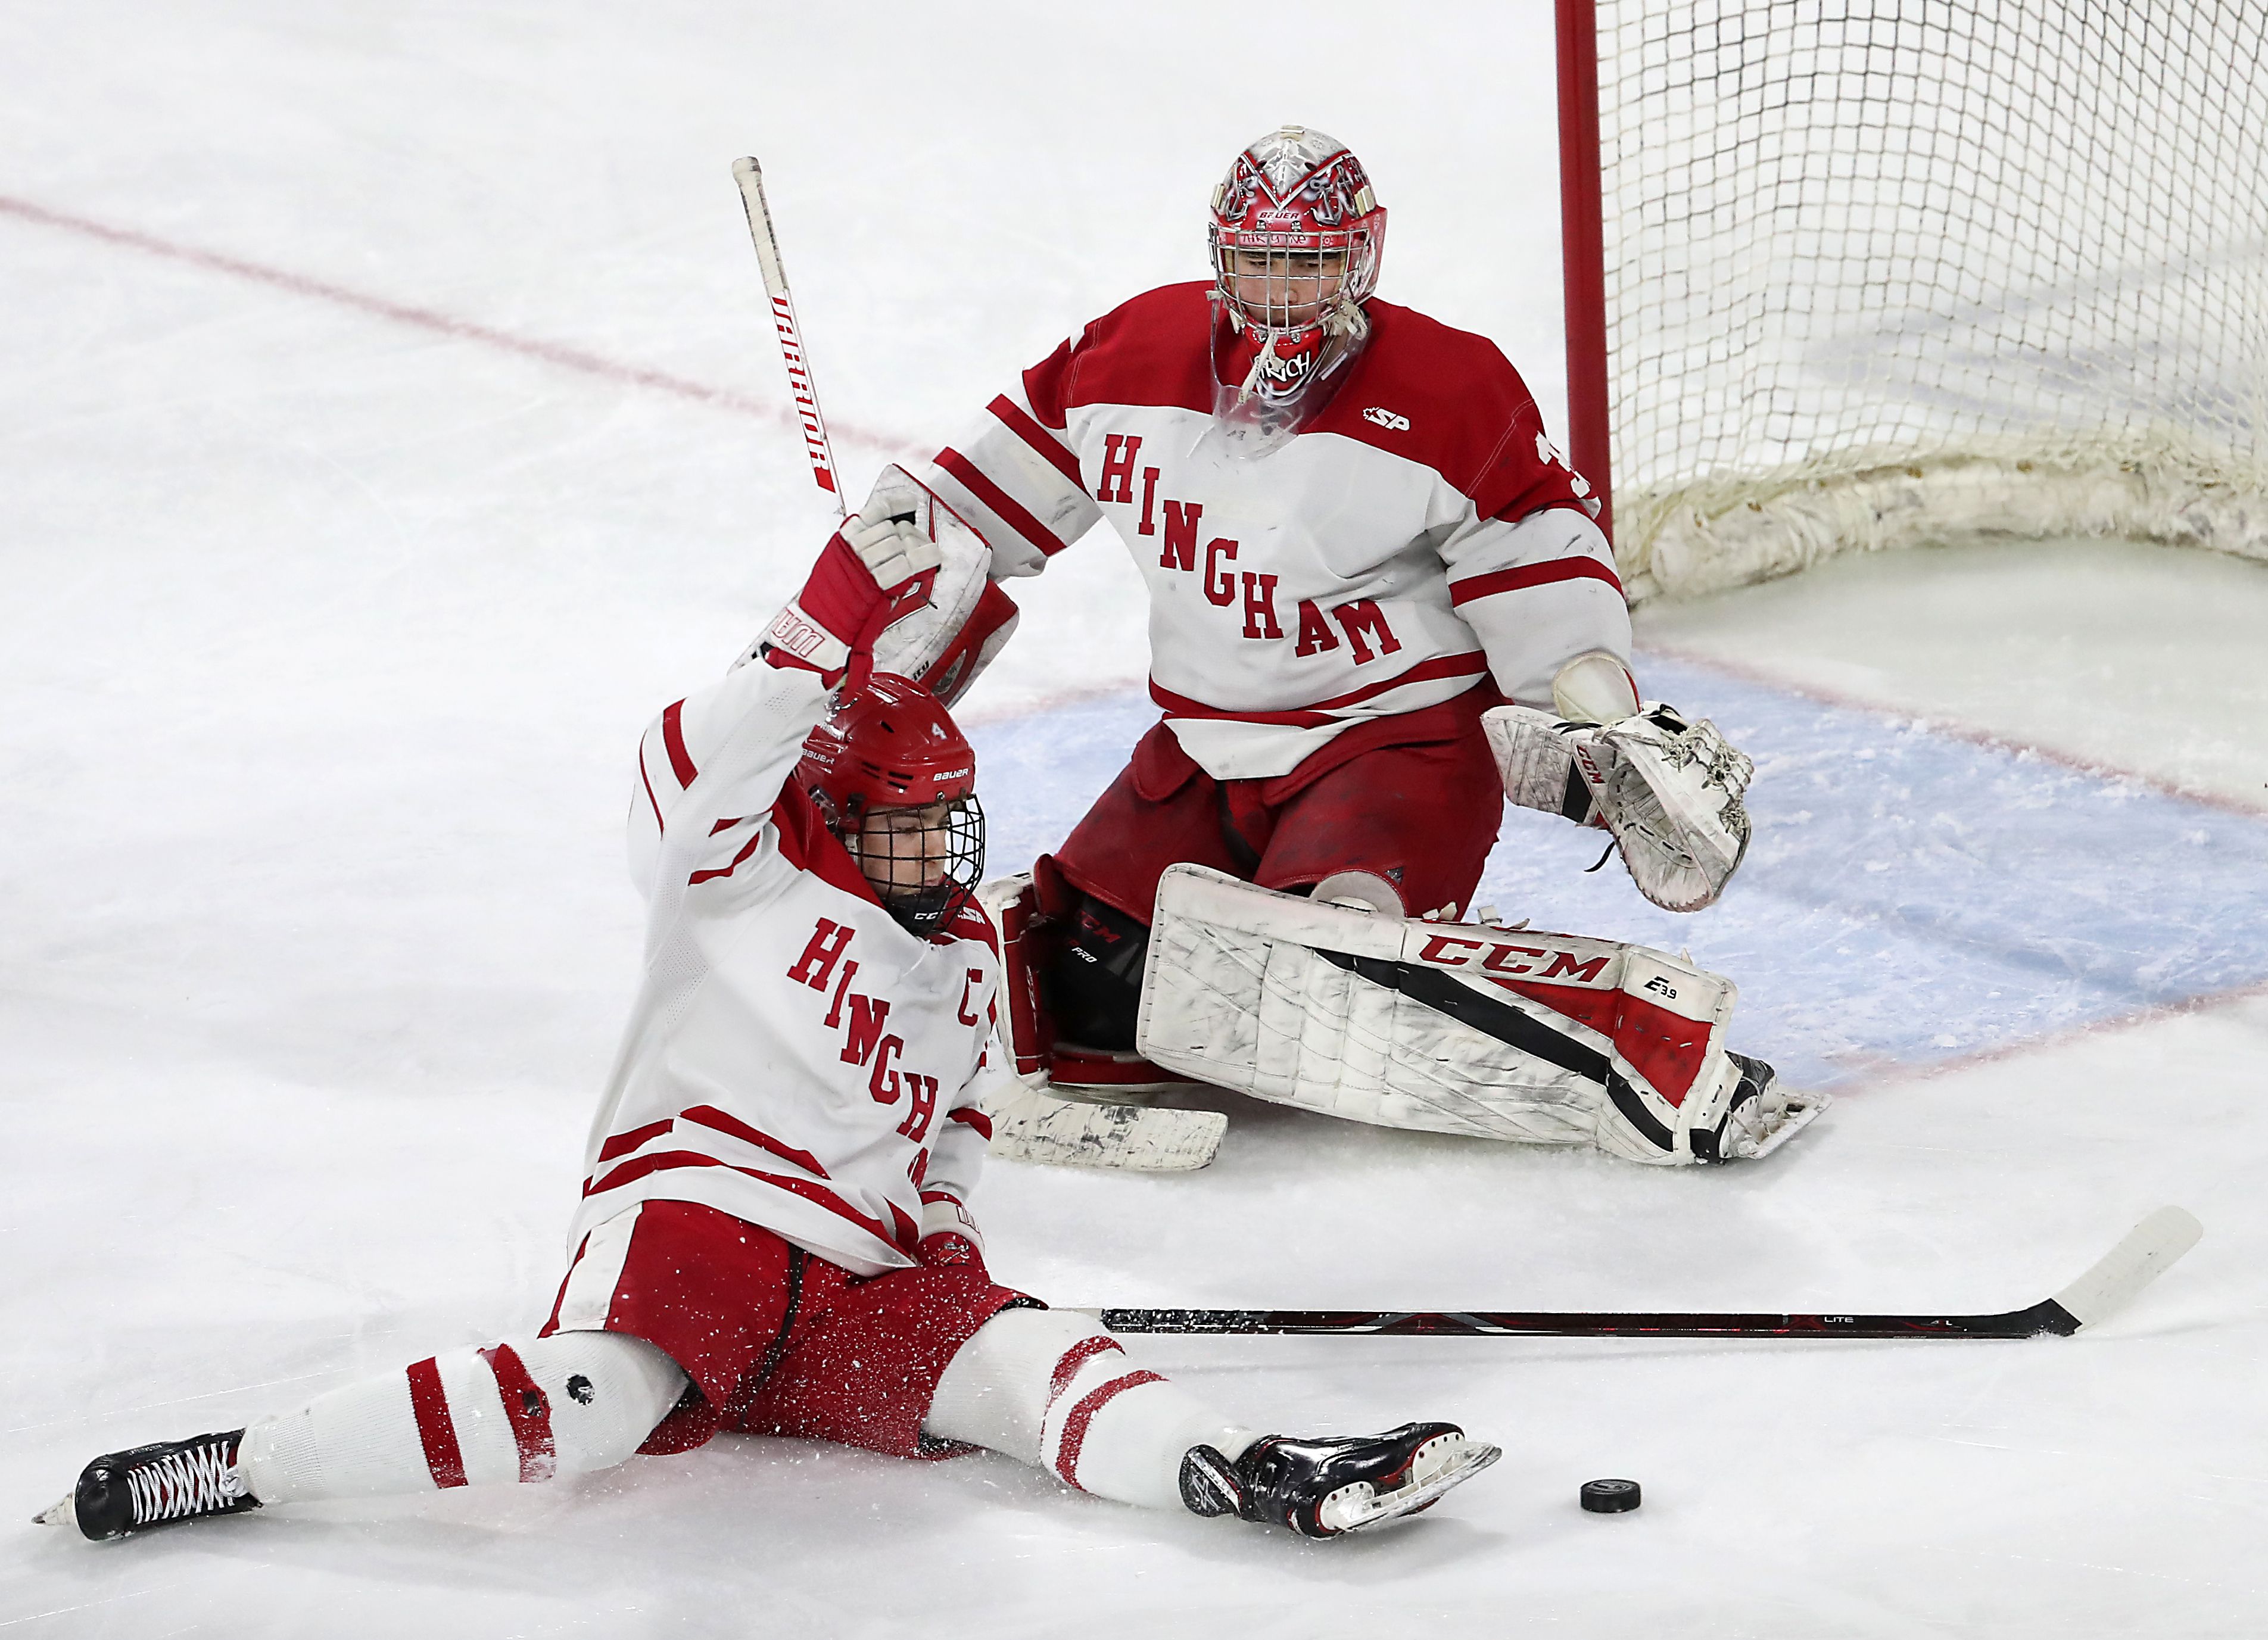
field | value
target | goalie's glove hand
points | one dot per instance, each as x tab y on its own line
1669	789
870	571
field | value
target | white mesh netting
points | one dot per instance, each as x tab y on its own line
1886	271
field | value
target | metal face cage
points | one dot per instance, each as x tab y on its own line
1283	288
924	864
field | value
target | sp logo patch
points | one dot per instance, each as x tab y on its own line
1387	419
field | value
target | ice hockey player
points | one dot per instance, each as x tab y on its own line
1359	544
775	1234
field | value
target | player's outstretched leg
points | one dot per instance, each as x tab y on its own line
524	1409
1057	1392
1326	1486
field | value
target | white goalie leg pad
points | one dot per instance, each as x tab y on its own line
1540	1038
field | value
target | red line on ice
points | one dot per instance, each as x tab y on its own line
1952	729
1869	1076
557	353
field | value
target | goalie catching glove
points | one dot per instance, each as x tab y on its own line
1668	788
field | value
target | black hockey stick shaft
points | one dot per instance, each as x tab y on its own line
2144	1254
2047	1316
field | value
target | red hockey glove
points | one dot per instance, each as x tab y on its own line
870	571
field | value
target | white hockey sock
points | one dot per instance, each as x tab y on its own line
1057	1392
523	1410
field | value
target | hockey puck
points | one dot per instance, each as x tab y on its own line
1609	1498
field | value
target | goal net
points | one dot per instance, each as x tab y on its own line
1881	272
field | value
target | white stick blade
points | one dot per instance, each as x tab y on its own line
2148	1251
1030	1126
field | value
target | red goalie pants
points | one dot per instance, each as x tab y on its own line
776	1341
1414	799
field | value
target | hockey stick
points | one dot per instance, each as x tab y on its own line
2149	1248
746	172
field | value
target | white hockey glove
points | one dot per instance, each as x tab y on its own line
1668	788
944	641
891	532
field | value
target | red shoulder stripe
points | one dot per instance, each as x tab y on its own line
1009	511
970	1116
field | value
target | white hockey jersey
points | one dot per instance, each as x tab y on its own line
1420	535
795	1058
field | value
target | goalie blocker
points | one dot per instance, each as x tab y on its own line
1469	1028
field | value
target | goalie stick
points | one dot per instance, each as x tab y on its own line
2145	1254
751	179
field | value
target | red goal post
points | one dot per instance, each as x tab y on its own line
1843	275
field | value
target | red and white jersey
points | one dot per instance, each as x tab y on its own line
795	1058
1419	534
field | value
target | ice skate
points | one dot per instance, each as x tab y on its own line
122	1493
1328	1486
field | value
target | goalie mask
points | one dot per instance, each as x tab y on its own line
1296	236
895	780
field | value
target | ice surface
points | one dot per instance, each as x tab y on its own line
329	628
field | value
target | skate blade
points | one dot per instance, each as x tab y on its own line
1802	1110
1358	1513
61	1513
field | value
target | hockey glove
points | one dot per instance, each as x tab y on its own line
1670	791
869	574
950	1239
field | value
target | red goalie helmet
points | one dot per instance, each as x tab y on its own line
895	780
1296	237
1293	196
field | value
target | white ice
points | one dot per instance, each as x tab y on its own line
390	425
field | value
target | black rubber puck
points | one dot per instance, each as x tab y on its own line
1609	1498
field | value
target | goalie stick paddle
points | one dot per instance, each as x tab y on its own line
2147	1251
751	179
